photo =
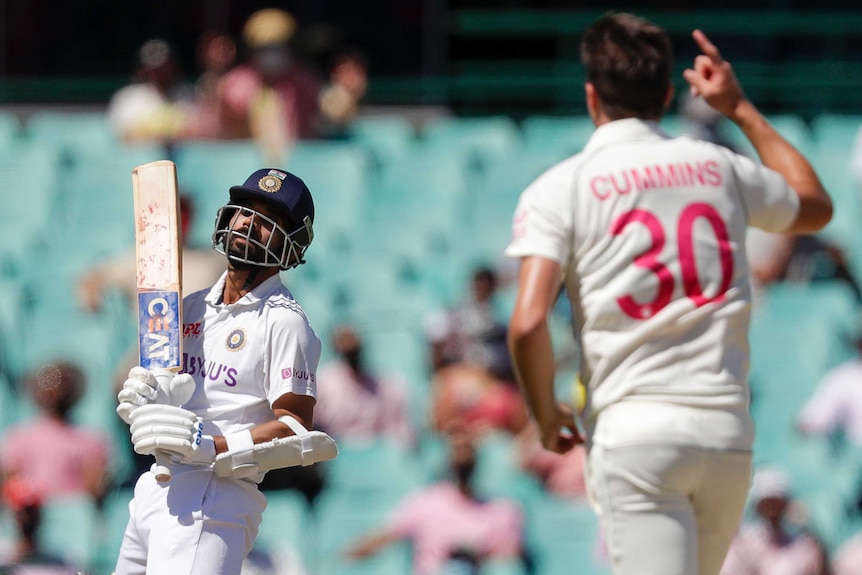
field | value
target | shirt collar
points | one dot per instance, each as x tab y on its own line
269	286
625	130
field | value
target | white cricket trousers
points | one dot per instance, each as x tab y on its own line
667	509
196	524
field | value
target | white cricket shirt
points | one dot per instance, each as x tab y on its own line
650	233
243	356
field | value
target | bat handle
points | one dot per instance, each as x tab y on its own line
162	469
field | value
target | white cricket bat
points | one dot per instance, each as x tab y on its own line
159	283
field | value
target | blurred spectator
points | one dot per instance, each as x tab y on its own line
836	404
340	98
27	557
848	557
270	97
774	545
799	259
472	331
562	475
52	456
216	55
158	105
469	397
447	523
356	405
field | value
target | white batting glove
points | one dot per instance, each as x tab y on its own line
144	386
172	429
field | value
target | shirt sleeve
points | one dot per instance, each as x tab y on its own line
542	222
771	203
294	354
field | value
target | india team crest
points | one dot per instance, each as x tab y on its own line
236	340
271	182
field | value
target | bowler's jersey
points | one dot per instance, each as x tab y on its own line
246	355
650	233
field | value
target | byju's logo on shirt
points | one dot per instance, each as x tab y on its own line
292	373
236	340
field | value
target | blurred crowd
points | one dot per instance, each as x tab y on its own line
253	87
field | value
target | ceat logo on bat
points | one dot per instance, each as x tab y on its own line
159	330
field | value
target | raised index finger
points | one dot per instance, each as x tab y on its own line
707	47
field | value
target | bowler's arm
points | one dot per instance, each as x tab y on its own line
530	344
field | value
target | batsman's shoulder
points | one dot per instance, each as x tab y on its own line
282	306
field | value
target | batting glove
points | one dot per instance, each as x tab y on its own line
157	427
144	386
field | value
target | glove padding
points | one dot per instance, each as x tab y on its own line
144	386
173	429
312	447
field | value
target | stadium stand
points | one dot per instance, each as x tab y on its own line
402	220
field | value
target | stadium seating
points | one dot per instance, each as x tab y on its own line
481	139
205	171
387	138
341	521
559	136
402	219
77	134
71	529
30	178
563	536
10	131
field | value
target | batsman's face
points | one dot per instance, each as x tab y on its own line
254	232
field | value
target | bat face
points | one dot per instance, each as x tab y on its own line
158	252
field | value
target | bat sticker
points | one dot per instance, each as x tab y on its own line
159	329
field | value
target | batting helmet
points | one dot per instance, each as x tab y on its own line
288	239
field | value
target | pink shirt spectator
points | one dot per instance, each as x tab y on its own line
561	474
836	403
298	94
361	411
51	457
755	551
848	558
440	520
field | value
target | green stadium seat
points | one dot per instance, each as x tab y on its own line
8	403
480	138
338	174
114	517
13	322
836	130
77	133
835	137
205	171
563	537
494	196
29	176
560	136
791	126
374	469
417	207
387	138
285	534
10	131
71	529
503	567
342	518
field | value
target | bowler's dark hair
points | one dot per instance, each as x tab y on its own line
629	61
